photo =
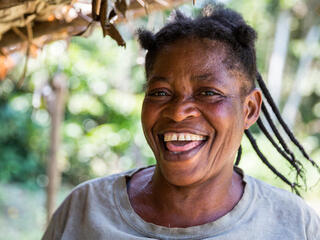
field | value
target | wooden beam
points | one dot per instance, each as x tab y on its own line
39	29
11	3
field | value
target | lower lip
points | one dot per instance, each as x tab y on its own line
183	155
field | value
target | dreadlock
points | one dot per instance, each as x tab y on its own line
227	26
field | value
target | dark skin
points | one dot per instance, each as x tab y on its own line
190	90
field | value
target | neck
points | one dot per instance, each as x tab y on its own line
184	206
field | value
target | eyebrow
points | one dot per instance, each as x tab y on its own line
202	77
194	78
158	79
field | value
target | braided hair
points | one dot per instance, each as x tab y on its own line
227	26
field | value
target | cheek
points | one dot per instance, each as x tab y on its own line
146	122
222	112
149	116
145	116
224	116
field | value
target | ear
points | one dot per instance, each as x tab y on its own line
252	107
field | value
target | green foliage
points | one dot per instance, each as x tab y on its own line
101	131
20	161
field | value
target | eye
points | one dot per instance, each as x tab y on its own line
158	93
209	93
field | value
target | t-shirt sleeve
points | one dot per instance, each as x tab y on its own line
313	226
59	219
54	229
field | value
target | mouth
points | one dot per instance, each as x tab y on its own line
182	143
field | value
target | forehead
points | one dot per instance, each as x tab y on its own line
196	57
193	52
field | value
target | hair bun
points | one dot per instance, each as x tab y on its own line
146	39
178	15
245	35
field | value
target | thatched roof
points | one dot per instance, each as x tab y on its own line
29	24
58	19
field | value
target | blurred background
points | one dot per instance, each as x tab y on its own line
75	104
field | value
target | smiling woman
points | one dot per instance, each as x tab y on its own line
200	99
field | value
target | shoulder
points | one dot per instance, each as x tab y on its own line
98	189
98	184
273	194
89	190
285	208
87	204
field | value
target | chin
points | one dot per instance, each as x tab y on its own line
182	174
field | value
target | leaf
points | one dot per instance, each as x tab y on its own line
111	30
87	31
96	9
162	2
112	15
25	68
103	14
34	50
107	27
146	8
6	64
145	5
121	6
141	2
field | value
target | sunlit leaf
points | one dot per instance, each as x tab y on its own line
96	9
6	63
111	30
121	6
103	15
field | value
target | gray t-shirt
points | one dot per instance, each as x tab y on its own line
100	209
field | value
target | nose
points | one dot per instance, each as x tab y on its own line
181	109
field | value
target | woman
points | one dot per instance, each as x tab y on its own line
200	99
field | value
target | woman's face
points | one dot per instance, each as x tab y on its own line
193	114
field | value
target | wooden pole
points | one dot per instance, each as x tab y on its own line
56	105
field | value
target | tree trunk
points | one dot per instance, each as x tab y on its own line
278	57
56	105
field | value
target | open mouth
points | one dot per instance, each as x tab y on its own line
179	143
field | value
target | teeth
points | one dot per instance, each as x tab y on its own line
174	137
182	137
